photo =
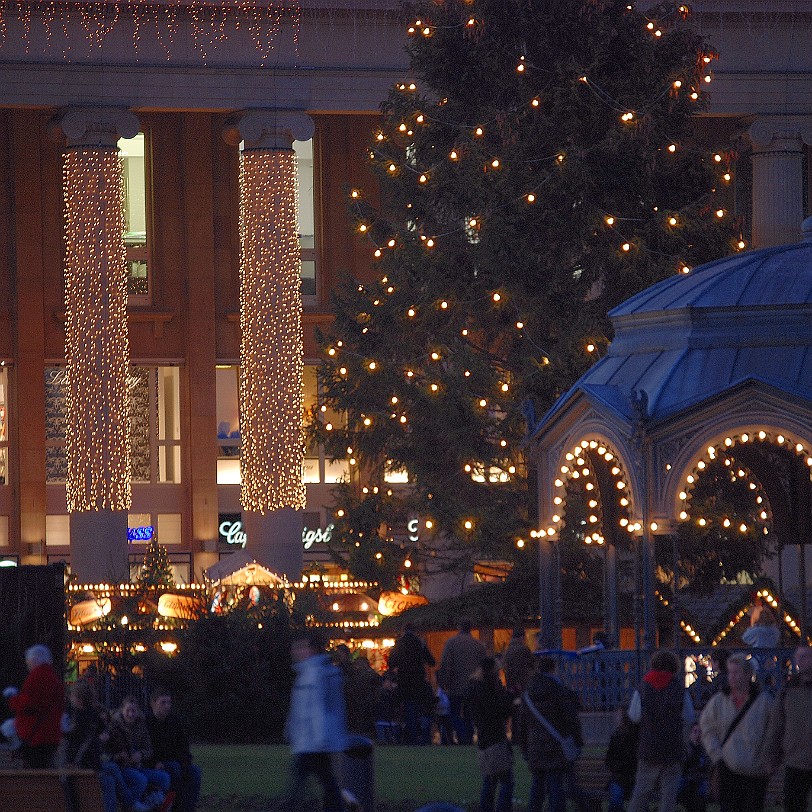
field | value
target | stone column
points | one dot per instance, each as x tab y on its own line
778	180
271	389
96	341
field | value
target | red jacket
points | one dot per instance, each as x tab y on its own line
38	707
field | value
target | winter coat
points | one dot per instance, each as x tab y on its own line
559	706
462	655
80	746
38	707
745	750
409	658
788	738
664	711
316	720
127	740
491	705
621	755
518	663
170	741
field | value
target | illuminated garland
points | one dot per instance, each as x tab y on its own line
271	343
210	23
96	339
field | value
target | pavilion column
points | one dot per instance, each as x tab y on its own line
778	178
96	341
271	388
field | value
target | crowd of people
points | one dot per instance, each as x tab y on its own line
143	756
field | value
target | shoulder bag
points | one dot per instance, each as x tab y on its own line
569	747
715	777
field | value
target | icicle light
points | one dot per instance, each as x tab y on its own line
96	341
271	345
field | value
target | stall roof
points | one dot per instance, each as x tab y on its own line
241	568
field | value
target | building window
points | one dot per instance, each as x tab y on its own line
57	531
154	394
316	467
136	230
307	218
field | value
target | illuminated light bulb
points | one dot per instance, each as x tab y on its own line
391	244
467	373
624	502
435	356
402	128
412	86
453	155
495	163
683	496
677	83
535	102
444	305
419	119
650	26
583	79
672	221
497	297
372	365
799	448
471	21
472	222
590	348
403	418
331	351
610	221
434	387
328	426
520	543
464	332
393	167
708	79
683	515
478	131
468	524
672	147
410	312
702	522
505	387
531	198
685	269
362	227
780	439
429	524
694	95
726	523
726	177
626	246
628	116
423	178
430	243
394	399
741	244
700	464
560	158
355	193
426	31
743	527
520	67
556	518
483	403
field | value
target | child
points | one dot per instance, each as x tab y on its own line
621	759
442	717
387	711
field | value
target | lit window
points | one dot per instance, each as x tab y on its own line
228	424
307	216
136	231
154	395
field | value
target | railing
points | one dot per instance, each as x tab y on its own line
605	680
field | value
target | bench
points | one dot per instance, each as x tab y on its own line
24	790
593	778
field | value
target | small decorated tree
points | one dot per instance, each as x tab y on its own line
156	571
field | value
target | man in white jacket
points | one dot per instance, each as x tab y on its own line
316	726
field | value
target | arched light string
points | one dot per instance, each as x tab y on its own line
576	466
725	451
772	601
477	131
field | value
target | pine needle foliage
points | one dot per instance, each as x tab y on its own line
540	169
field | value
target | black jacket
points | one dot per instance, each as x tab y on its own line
170	742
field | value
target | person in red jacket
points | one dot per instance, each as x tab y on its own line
37	708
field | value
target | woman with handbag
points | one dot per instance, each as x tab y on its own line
491	705
734	727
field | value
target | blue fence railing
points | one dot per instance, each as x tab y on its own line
606	680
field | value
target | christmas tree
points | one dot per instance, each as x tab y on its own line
541	168
155	571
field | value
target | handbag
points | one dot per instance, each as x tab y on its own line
498	758
715	775
569	747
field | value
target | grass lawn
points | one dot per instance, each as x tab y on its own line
237	777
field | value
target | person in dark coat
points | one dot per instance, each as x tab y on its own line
409	659
491	706
665	713
545	758
517	662
171	751
621	759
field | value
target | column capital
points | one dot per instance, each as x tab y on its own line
783	133
94	126
268	129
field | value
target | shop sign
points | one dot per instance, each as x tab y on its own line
181	606
231	533
87	611
144	533
317	536
393	603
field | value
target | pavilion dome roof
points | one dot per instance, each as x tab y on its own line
743	318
